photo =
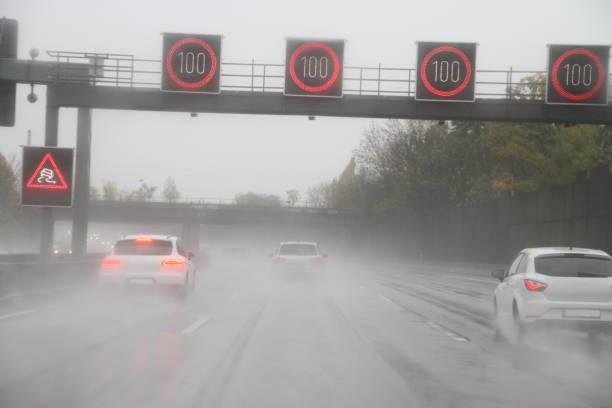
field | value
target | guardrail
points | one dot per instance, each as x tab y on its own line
29	273
197	205
124	70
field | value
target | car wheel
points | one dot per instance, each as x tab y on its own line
498	334
518	327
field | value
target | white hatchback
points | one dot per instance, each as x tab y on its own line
156	260
559	287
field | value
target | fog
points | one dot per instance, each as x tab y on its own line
247	246
364	330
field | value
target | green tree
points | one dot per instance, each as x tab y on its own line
260	200
110	191
142	193
171	192
94	193
530	87
9	195
319	195
293	197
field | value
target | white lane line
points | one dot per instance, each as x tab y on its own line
386	299
20	313
32	292
433	325
195	326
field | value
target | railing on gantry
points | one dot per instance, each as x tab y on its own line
126	71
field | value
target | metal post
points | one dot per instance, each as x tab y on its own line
51	126
81	183
379	78
360	79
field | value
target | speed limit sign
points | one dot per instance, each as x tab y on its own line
191	63
446	71
314	67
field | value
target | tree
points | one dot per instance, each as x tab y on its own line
293	197
142	193
529	87
171	192
94	193
411	165
318	195
261	200
110	191
9	195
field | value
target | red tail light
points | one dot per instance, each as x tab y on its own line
534	286
173	263
318	259
111	263
279	259
143	240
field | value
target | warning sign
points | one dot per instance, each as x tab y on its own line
47	176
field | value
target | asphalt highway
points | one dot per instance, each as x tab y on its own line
360	334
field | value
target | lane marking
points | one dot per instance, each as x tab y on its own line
387	299
21	313
444	330
195	325
32	292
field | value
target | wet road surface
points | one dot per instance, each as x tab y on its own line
357	335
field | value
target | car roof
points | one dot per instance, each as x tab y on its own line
158	237
564	250
298	242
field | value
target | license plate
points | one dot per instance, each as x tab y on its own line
591	313
141	281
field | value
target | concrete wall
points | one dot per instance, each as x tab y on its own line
571	215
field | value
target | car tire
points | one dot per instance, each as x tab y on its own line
519	329
498	333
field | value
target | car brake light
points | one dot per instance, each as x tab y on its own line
534	286
111	263
279	259
173	263
318	259
143	240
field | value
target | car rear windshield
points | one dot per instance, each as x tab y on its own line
143	246
298	249
574	266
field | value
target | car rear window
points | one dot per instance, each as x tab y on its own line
574	266
143	246
298	249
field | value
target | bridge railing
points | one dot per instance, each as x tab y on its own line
216	204
256	77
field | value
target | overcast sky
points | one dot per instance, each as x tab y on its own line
221	155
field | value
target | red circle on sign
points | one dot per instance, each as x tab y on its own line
573	96
460	54
203	81
310	46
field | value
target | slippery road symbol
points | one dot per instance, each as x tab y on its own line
47	175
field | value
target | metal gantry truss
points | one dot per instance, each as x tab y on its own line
124	70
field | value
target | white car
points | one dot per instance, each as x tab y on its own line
299	255
156	260
569	288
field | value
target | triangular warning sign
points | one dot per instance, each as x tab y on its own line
47	175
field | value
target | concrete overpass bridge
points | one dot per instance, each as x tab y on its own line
292	222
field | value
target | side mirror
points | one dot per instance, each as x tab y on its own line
325	256
190	255
499	274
